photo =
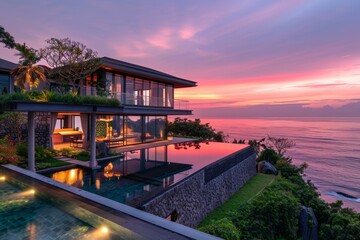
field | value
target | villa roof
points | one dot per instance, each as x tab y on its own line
7	66
137	70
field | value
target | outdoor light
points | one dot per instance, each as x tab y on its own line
2	178
104	229
30	192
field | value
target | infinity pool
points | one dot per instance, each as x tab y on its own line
144	173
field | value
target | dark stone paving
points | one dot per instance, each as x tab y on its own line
26	217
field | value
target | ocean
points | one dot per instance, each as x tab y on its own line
330	146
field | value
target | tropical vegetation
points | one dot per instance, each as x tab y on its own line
274	213
70	61
16	153
27	73
183	127
47	96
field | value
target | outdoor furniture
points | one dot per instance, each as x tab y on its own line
64	135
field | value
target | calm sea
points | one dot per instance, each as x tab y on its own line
331	147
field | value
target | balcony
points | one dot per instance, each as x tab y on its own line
139	100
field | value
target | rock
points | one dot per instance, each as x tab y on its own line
308	224
266	167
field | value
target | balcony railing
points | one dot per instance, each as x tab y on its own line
136	100
181	104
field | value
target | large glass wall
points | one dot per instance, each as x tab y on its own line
134	91
118	130
4	83
133	129
155	128
142	92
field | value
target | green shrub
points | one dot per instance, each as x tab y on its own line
69	152
83	156
41	154
223	228
46	96
22	150
269	155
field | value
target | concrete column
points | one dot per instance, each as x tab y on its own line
93	141
31	141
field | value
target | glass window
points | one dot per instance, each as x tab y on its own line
150	128
154	94
133	129
109	83
169	96
162	95
160	127
130	90
138	92
4	84
146	93
118	83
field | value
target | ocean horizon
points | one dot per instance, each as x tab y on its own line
329	145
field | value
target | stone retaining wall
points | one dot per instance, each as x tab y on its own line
189	201
42	127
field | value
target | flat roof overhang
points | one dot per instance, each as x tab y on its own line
148	73
27	106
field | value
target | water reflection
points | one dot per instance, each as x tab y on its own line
142	174
73	177
186	145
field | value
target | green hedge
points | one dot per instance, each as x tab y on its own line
47	96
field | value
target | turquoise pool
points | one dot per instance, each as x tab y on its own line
24	216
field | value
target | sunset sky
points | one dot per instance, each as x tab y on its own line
244	54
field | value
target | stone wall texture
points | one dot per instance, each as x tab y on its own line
42	127
199	194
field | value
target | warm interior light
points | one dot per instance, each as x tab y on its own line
2	178
104	230
32	191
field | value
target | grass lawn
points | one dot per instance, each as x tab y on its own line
252	188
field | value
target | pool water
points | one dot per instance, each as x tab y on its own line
144	173
23	216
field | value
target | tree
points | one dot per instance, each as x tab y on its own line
281	145
190	128
71	61
30	74
258	146
27	72
6	38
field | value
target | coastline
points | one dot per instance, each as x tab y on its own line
328	145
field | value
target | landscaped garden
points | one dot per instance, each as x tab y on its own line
47	96
16	154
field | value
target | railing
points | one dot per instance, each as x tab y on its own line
181	104
138	100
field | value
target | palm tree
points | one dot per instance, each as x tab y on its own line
27	72
30	74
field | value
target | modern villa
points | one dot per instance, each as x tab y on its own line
174	178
